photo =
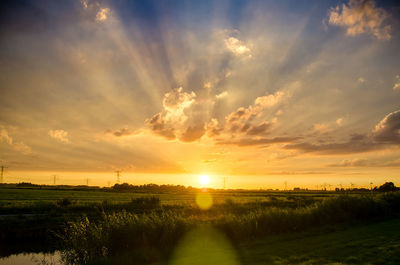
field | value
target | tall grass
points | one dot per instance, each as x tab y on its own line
151	236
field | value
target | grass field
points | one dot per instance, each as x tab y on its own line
108	227
27	196
376	243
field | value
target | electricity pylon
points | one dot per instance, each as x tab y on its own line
118	172
2	174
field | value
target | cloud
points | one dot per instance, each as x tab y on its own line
84	4
159	126
175	102
213	129
192	133
207	85
19	146
103	14
237	47
321	128
240	121
185	117
361	80
173	122
245	126
339	121
262	128
121	132
209	160
222	95
388	129
396	86
334	148
386	133
59	135
361	16
258	141
357	162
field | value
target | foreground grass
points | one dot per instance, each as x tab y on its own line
152	237
373	243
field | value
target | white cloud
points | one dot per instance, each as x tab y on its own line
237	47
321	128
173	122
396	86
269	100
361	16
175	102
388	129
103	14
222	95
361	80
207	85
59	135
19	146
241	121
84	3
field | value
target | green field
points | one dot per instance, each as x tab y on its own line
109	227
376	243
27	196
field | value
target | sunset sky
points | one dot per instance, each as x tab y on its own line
259	92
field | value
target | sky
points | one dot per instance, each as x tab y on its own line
261	93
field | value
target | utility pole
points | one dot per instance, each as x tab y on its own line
54	179
118	172
285	185
87	182
2	174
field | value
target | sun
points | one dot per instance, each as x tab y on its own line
204	180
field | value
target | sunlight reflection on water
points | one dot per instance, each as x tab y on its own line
32	259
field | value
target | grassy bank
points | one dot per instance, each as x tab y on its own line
152	237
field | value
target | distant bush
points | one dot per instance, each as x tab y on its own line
387	187
64	202
146	202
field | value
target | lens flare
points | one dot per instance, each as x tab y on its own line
204	200
203	246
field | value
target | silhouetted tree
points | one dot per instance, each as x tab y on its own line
388	186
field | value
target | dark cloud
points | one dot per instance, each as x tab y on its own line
386	133
358	137
262	128
193	133
348	147
213	129
261	141
351	163
357	162
158	126
388	129
120	132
